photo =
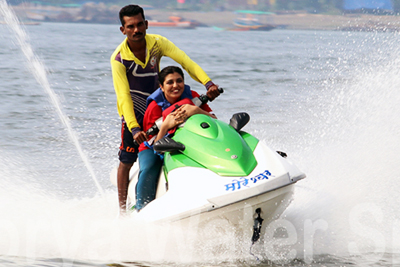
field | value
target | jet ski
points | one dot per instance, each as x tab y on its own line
214	170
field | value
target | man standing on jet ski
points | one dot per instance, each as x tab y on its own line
135	65
172	101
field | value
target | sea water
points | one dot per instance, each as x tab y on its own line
38	70
328	99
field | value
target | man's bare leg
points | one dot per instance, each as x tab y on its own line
123	182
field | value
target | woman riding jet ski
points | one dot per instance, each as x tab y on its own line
172	101
211	170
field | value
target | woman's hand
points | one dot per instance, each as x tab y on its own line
173	119
186	110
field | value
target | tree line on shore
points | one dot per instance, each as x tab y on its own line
312	6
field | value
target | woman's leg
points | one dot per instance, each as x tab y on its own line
150	166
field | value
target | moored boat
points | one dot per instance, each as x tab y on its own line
253	20
175	21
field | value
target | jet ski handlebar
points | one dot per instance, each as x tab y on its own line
204	98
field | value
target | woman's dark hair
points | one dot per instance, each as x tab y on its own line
130	11
168	70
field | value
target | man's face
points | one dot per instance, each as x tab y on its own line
134	28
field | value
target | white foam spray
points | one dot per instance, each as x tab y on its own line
347	204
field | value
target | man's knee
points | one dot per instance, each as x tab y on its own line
124	167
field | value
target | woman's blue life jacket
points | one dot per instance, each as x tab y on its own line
159	97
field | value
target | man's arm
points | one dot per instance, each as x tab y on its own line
194	70
122	90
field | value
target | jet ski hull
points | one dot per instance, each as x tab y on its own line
219	173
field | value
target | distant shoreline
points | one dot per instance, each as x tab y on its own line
297	21
223	19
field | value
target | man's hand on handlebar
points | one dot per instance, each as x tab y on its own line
140	137
213	92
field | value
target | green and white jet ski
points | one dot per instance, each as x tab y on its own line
215	170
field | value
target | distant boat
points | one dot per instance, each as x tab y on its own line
175	22
252	20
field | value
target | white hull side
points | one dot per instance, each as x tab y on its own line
238	218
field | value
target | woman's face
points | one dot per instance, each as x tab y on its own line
173	87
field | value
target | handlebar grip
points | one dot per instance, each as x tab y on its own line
153	130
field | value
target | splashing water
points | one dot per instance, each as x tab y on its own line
38	70
352	186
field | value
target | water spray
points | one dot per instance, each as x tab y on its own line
38	70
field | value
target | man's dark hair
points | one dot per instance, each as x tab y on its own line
168	70
130	11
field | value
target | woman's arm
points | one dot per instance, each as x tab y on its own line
179	116
189	110
169	122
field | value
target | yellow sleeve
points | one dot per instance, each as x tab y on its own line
121	86
195	71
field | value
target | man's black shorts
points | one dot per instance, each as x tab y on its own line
128	150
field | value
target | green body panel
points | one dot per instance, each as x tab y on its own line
250	140
217	147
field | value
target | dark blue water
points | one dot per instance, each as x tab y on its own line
329	99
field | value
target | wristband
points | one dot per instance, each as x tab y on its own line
209	84
135	130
